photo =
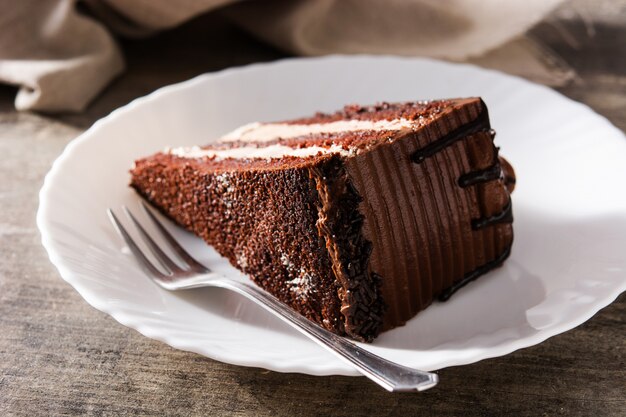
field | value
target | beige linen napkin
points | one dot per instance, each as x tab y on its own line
61	58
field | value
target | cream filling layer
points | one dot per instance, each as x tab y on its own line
251	152
265	132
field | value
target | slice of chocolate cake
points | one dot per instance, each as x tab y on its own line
357	219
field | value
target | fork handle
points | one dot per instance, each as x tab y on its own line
391	376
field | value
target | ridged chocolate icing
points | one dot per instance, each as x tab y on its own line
436	200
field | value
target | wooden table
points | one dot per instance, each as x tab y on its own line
59	356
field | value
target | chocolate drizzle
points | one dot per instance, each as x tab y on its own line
490	173
483	269
493	172
505	216
480	124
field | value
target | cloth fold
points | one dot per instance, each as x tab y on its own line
61	59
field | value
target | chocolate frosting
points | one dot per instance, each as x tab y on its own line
436	209
340	224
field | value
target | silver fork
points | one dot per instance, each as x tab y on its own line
391	376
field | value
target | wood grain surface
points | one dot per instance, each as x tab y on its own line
59	356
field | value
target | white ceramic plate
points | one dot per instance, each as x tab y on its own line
569	255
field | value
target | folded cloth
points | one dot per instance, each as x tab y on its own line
61	59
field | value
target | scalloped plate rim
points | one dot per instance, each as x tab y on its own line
319	369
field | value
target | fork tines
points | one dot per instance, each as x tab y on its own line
171	268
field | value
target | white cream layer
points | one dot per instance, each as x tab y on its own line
265	132
250	152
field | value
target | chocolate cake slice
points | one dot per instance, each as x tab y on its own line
357	219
